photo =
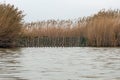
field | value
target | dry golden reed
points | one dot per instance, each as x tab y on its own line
10	24
101	29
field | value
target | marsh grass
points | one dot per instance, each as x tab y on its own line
10	24
101	29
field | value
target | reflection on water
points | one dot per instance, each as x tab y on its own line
9	64
60	64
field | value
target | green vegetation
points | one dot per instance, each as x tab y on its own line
10	25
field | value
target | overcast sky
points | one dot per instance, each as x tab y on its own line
61	9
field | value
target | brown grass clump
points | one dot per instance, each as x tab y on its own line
10	24
103	29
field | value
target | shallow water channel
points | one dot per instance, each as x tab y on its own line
77	63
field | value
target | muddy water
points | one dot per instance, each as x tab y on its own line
60	64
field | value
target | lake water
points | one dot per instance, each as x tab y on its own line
60	64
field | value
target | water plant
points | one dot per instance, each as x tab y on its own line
10	24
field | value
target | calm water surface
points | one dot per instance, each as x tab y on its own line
60	64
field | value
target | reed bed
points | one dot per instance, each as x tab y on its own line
101	29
